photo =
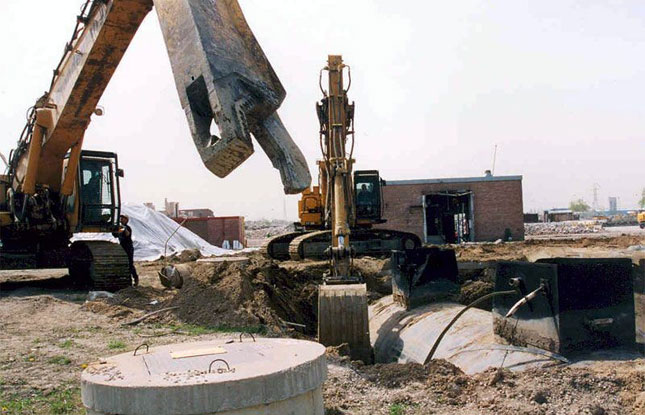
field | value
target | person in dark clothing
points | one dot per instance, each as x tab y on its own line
125	239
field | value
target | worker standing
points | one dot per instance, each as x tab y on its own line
125	239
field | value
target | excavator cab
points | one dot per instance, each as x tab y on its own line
369	198
99	197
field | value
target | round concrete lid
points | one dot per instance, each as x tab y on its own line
175	379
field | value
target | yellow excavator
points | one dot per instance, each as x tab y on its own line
355	194
336	221
53	188
342	298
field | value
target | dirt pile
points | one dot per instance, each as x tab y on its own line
112	311
393	375
520	251
258	294
472	290
188	255
235	295
482	252
131	302
441	388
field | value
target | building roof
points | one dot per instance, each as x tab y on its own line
454	180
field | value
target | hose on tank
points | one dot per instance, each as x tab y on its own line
459	314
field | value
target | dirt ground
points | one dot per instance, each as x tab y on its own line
49	335
521	251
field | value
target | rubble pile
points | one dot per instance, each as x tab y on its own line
258	231
563	228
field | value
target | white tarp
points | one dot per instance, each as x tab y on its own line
150	230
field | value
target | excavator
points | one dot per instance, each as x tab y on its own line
342	298
53	188
336	221
356	194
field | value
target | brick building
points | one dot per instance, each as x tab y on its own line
217	229
456	210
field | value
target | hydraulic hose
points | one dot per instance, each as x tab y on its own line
459	314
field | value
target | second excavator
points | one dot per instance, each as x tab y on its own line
337	220
356	195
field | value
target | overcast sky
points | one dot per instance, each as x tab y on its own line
556	84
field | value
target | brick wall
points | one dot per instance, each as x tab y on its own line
497	205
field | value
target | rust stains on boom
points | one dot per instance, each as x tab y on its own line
223	76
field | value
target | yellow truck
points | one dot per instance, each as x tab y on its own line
641	219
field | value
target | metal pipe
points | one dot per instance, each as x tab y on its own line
528	297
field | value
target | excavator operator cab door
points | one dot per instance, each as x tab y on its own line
99	198
368	197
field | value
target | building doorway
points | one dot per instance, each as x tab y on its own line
448	217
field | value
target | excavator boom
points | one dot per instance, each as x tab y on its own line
342	298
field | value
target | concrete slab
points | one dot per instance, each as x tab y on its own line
236	376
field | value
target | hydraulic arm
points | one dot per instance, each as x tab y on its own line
337	165
342	299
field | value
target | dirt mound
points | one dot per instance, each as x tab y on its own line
508	251
375	272
235	295
377	275
394	375
441	388
142	298
619	241
131	302
113	311
472	290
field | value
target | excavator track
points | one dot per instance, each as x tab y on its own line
375	242
311	245
101	265
278	246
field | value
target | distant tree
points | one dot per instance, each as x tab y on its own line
579	206
642	201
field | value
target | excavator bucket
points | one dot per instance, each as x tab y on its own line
223	76
423	275
342	318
